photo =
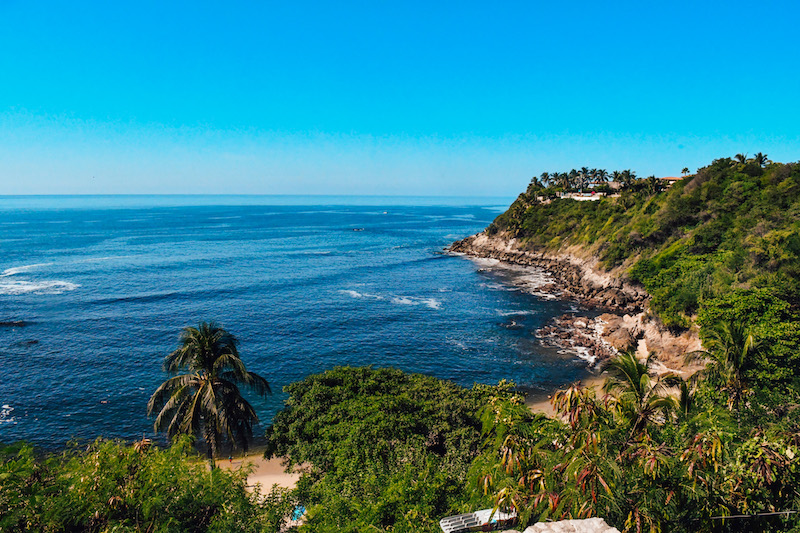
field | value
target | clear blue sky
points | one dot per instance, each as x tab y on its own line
418	98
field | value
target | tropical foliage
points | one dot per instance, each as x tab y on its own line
110	486
721	245
205	400
642	458
385	450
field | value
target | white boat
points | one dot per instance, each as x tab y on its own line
483	520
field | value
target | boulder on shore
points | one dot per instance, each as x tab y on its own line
589	525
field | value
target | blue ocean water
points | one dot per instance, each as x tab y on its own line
105	285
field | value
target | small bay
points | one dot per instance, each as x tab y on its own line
95	290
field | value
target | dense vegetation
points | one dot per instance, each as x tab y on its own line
720	249
721	245
643	459
386	450
110	486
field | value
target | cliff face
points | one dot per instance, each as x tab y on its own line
626	325
577	276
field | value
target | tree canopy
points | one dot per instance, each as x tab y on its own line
385	449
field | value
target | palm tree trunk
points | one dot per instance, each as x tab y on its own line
209	447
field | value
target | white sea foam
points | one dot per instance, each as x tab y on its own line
457	343
432	303
98	259
485	262
499	287
356	294
5	415
544	295
20	269
15	288
535	279
583	353
516	313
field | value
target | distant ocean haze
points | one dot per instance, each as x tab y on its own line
105	284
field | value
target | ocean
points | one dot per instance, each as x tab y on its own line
104	286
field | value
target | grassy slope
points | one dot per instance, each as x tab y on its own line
721	245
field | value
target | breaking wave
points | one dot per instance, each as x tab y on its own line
15	288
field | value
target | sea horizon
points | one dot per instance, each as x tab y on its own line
78	201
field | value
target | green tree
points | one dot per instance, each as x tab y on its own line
205	399
545	178
638	399
731	349
112	486
382	449
685	171
628	177
653	184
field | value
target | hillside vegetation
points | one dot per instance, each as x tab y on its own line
721	245
386	451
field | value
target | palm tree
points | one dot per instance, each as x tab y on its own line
565	180
601	175
741	158
545	177
581	180
205	399
637	399
685	171
628	177
654	184
761	159
730	348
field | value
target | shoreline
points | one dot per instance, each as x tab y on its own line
266	472
545	407
624	322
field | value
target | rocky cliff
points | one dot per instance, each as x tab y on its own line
625	325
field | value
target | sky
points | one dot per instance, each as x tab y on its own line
385	98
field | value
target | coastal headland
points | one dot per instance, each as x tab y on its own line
624	323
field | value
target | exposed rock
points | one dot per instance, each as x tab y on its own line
576	277
13	323
625	326
589	525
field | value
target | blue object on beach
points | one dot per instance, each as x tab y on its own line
299	511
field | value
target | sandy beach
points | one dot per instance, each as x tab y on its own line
267	472
545	407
